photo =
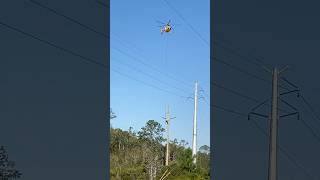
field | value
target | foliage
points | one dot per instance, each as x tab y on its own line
141	155
7	168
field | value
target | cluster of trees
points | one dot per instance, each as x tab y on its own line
7	168
141	155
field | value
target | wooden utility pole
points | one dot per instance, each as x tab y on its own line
168	119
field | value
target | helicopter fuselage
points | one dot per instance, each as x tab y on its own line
166	29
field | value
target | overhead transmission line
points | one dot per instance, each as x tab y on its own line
228	110
37	3
216	59
53	45
235	92
245	72
69	51
85	26
185	20
130	77
71	19
151	76
104	35
150	66
309	128
287	154
256	125
87	59
314	115
259	64
224	88
239	69
310	108
256	61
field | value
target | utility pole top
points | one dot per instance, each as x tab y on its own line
167	119
274	117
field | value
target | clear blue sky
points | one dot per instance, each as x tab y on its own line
181	55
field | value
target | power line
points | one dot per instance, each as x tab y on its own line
239	94
53	45
91	29
125	42
75	54
199	35
52	10
151	76
97	32
260	63
235	92
152	67
68	18
229	110
185	20
310	129
285	152
92	61
239	69
78	55
147	84
256	61
310	108
244	71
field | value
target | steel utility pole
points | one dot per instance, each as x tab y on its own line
274	127
276	96
168	118
194	137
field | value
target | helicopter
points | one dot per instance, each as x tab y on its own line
165	27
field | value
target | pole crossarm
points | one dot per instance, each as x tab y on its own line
290	83
257	114
259	105
289	92
291	114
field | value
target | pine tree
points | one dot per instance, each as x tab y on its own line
7	168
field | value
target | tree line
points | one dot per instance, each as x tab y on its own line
7	167
141	155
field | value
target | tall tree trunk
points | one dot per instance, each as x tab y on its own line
151	172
